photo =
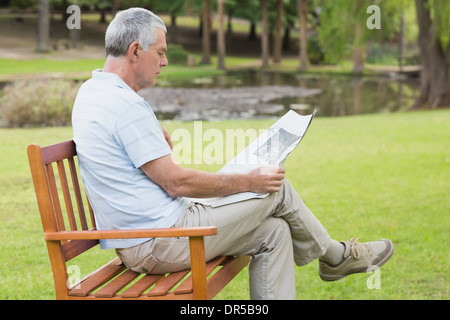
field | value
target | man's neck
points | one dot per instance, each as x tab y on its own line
119	67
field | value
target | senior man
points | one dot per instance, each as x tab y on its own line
132	181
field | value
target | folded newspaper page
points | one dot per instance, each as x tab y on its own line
270	149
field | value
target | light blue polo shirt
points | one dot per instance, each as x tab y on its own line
116	132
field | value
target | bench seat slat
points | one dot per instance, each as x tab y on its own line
141	286
117	284
167	283
98	278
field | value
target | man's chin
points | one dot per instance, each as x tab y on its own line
148	85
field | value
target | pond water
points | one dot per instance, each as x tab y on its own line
331	95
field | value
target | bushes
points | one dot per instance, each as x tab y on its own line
315	52
38	102
176	54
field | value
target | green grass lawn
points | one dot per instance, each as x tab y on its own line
370	177
82	68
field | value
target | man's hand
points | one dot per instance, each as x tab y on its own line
266	179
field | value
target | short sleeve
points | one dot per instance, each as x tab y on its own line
140	134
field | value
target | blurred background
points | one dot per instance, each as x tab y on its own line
359	56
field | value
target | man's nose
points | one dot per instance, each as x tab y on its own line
164	61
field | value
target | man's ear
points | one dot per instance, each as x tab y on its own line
133	51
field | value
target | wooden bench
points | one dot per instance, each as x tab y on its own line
69	231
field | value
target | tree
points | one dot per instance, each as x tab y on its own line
303	11
433	17
74	30
249	10
265	34
43	27
220	35
206	32
174	8
278	41
342	31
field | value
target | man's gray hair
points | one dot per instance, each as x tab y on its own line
134	24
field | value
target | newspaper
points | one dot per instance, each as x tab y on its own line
270	149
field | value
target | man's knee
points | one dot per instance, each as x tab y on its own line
275	232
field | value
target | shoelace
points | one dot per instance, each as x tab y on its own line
358	250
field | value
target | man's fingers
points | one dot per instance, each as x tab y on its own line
272	170
267	179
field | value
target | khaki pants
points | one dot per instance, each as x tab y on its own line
276	231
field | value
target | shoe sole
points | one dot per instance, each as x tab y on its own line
334	277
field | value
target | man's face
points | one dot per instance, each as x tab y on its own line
151	62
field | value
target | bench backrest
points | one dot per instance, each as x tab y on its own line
59	195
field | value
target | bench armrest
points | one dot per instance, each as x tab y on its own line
131	233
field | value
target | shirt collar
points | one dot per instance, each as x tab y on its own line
107	78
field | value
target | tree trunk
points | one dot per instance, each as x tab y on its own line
74	31
74	38
401	42
358	51
252	33
43	34
303	11
206	33
435	74
103	15
220	36
230	23
265	35
278	43
64	14
173	29
287	39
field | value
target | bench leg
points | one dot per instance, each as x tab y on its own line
198	267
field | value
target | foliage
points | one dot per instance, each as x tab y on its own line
174	7
38	102
338	22
440	10
315	52
176	54
340	18
23	4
